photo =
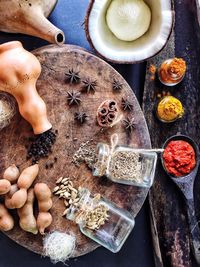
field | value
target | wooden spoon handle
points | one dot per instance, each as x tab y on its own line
194	230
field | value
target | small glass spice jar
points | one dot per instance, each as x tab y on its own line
172	71
126	165
101	220
169	109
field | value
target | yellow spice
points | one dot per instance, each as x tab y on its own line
170	109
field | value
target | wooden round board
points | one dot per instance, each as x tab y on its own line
52	87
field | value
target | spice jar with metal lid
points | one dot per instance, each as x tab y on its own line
101	220
126	165
172	71
169	109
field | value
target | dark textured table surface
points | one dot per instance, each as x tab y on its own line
138	250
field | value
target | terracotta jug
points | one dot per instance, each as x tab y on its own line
29	17
19	72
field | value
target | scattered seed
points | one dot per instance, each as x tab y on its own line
64	187
61	195
66	195
56	189
57	193
70	183
87	153
51	165
59	180
72	189
64	180
73	195
65	212
70	201
66	202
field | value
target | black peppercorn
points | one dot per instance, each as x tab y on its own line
51	165
41	145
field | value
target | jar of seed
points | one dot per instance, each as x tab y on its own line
101	220
126	165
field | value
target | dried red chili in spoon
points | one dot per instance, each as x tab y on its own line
186	184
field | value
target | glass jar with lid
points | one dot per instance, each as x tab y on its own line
101	220
126	165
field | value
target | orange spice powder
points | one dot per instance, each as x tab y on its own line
172	71
177	66
152	71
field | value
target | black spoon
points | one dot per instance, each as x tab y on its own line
186	185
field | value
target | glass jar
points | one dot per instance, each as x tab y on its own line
111	229
126	165
172	71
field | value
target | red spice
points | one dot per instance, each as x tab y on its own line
179	158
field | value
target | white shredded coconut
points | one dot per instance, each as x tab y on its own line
7	110
59	246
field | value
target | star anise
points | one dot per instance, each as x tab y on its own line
72	76
80	117
89	85
129	124
117	86
126	104
73	98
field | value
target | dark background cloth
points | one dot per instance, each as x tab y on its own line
138	249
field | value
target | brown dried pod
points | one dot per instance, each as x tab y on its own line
103	111
112	106
111	116
108	114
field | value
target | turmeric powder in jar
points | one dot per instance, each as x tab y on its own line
172	71
169	109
